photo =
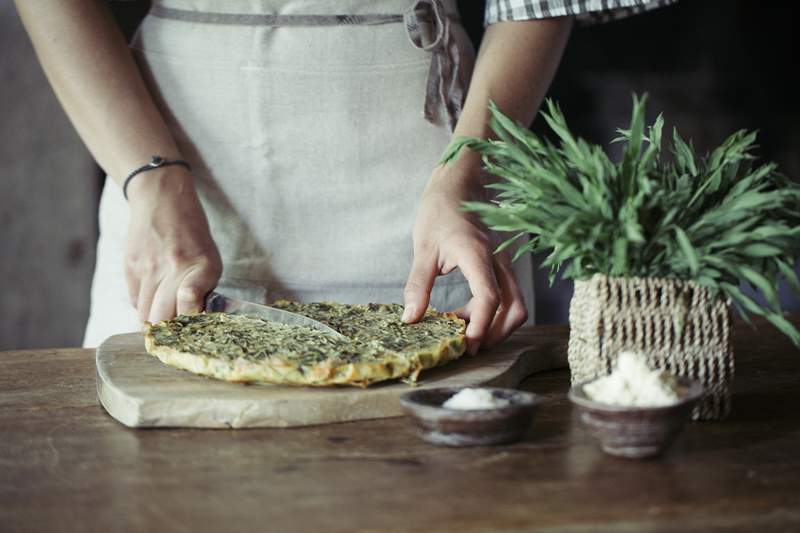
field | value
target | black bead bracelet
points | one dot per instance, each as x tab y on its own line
155	162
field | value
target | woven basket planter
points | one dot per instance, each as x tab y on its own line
677	325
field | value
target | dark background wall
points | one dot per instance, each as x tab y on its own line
711	66
47	203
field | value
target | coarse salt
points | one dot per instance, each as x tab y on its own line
473	399
634	384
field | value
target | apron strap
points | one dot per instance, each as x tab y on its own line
444	84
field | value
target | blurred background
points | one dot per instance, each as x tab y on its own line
711	66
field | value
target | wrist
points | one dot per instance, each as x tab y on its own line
466	170
459	180
170	181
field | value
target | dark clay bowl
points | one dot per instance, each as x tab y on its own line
480	427
636	432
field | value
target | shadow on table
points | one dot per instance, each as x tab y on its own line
755	420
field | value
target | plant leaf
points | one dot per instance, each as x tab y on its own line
688	251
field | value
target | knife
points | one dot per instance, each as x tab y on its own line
216	302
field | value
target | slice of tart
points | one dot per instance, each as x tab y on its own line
241	348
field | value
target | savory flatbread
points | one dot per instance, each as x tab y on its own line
242	348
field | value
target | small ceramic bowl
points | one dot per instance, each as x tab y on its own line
636	432
477	427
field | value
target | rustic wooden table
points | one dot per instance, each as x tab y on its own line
67	466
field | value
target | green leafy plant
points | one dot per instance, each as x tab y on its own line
716	220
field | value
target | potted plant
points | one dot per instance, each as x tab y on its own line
657	243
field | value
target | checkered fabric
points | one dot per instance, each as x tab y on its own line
586	12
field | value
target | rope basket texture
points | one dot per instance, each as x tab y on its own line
677	325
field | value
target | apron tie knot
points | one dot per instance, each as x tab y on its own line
445	86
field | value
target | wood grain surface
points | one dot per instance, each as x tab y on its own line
140	391
65	465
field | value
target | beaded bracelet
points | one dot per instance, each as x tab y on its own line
155	162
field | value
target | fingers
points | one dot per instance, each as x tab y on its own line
418	287
183	292
490	324
132	283
147	291
512	312
163	305
480	310
192	290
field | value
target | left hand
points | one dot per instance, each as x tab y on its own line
446	237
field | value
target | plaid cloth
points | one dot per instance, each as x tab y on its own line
586	12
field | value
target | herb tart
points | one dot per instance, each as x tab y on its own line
241	348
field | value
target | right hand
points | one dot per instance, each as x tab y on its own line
171	261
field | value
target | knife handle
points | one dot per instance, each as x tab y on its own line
214	302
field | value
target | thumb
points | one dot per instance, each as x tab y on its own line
193	288
418	287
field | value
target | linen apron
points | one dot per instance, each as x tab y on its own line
311	138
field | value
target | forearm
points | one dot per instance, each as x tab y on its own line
93	74
516	63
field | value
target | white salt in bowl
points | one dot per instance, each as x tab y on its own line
474	427
636	432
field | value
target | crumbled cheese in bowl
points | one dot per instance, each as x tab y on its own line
634	384
473	399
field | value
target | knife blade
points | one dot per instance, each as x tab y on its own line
216	302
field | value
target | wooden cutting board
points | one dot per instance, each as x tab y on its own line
140	391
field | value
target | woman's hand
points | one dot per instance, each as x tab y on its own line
446	237
515	64
171	261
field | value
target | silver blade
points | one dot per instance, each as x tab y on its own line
216	302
